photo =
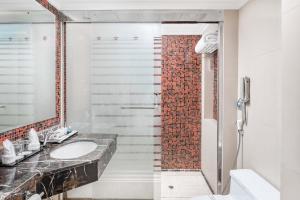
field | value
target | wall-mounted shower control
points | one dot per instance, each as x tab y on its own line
245	86
244	98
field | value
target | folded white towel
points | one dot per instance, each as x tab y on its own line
34	143
9	154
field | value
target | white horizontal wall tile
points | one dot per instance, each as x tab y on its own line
124	100
124	89
115	57
123	70
111	80
17	109
261	40
16	79
112	129
122	63
15	63
15	98
290	183
132	148
288	5
122	51
136	140
16	71
130	156
260	59
18	120
16	88
123	110
16	57
10	50
290	172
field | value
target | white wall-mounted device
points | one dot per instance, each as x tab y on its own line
209	41
207	44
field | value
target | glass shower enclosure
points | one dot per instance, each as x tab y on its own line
113	87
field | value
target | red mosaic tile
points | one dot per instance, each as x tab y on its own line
65	71
181	103
215	103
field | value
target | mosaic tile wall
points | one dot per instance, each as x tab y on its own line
215	67
181	103
65	71
23	131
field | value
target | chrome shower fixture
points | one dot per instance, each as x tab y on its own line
244	100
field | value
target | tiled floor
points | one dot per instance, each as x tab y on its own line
175	185
183	185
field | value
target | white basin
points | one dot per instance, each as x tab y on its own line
73	150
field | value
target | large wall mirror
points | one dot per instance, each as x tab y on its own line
27	64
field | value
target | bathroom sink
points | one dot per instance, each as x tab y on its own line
73	150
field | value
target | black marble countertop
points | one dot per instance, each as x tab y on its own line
40	171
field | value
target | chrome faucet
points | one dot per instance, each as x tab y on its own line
47	136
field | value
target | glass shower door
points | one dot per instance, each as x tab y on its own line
124	98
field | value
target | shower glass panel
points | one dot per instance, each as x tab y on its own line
118	92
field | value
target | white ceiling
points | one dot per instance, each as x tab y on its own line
24	11
8	5
150	16
37	16
123	4
146	4
127	10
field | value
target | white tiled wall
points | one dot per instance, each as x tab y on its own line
259	59
228	91
209	125
290	71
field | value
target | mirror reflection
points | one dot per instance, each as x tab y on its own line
27	65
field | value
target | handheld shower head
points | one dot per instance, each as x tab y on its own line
240	125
